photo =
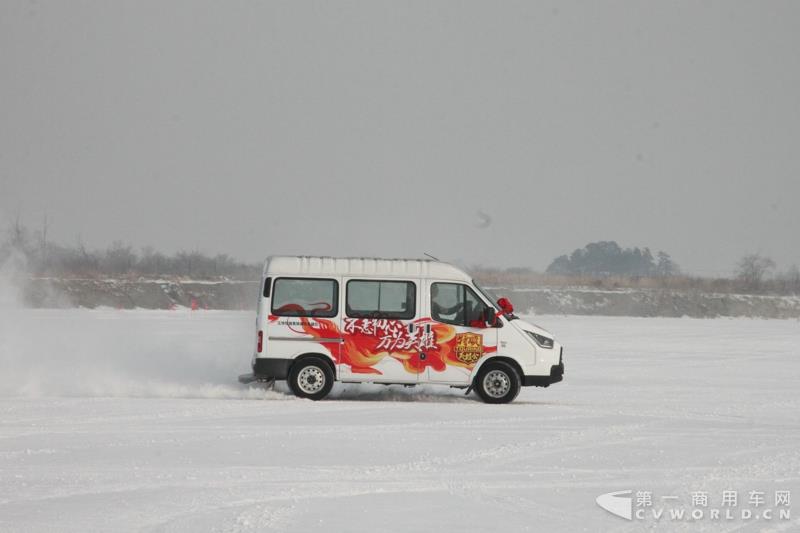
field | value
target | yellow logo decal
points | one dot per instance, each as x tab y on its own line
469	347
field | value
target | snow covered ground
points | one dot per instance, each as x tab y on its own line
133	421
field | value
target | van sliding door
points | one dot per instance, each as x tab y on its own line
380	330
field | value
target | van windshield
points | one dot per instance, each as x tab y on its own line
487	294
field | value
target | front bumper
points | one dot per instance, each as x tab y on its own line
556	375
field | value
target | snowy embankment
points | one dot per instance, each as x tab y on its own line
133	421
651	303
240	295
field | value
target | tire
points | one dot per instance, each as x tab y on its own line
311	378
498	382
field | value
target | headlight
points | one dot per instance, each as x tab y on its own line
541	340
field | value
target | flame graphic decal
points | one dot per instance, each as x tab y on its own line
367	341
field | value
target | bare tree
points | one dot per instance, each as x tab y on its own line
45	227
666	266
119	258
752	269
18	233
791	280
43	251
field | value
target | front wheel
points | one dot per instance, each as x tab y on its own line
311	378
497	382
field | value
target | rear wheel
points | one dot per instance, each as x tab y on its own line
497	382
311	378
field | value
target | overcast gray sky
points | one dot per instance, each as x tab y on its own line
378	128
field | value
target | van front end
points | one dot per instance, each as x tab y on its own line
555	360
540	355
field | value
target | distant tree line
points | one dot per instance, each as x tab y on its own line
607	258
606	265
47	259
600	264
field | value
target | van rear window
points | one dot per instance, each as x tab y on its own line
381	299
305	297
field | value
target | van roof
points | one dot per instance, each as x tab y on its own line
362	266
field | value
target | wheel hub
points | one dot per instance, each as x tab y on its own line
496	383
311	380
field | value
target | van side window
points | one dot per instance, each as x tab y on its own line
305	297
457	304
381	299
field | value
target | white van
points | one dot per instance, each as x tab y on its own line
393	321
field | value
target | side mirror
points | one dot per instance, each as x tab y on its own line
490	318
506	305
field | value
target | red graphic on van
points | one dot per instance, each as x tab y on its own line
367	341
394	335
